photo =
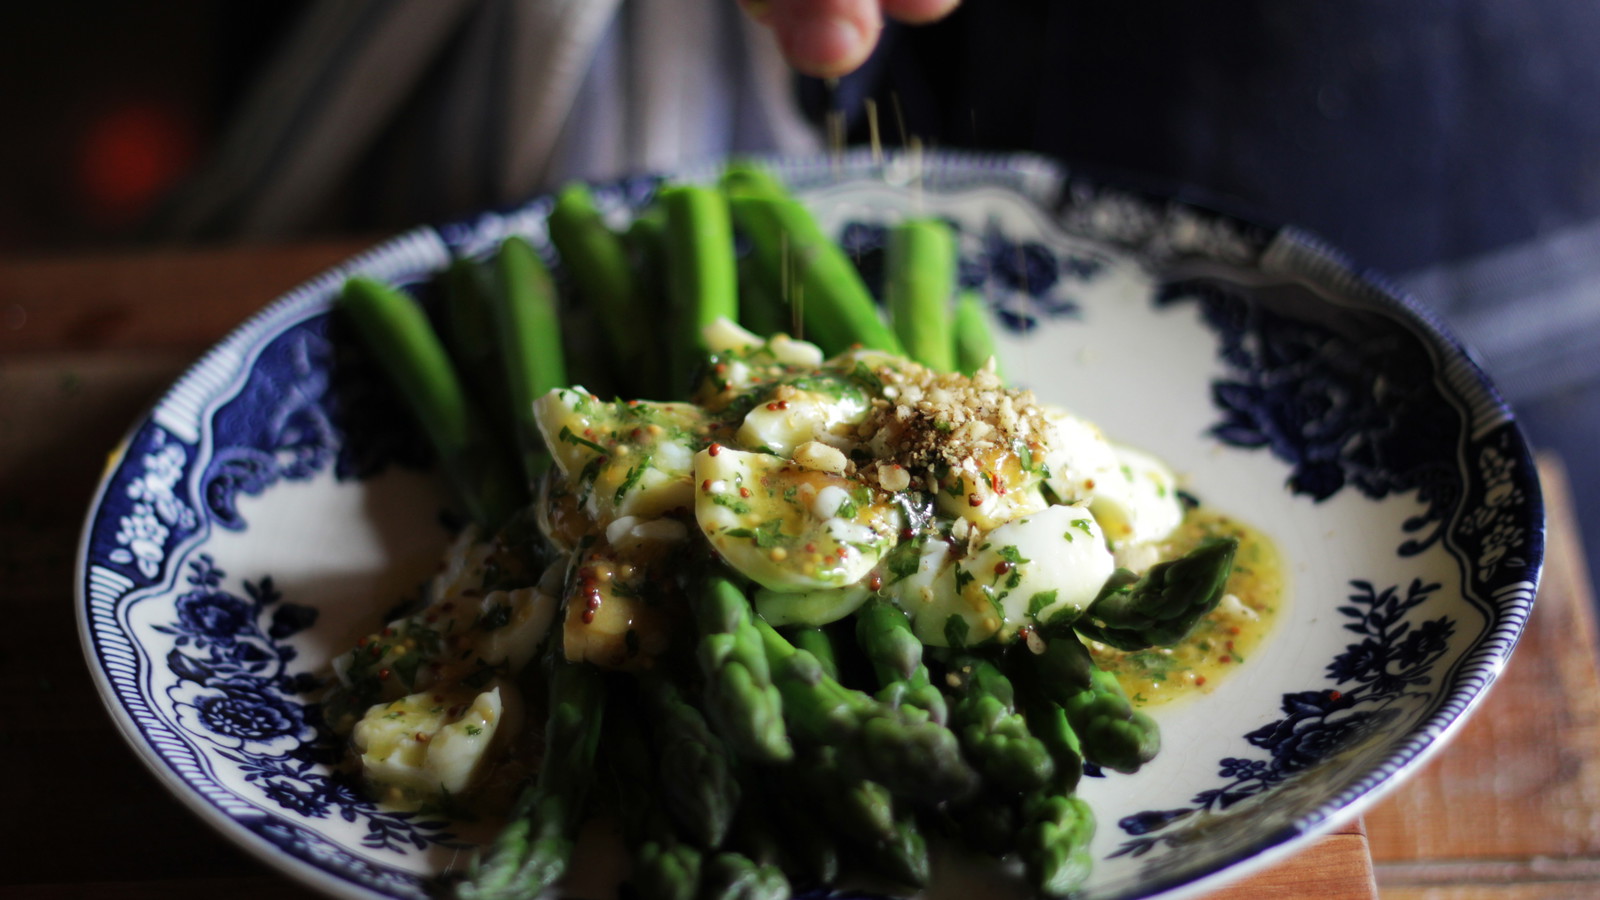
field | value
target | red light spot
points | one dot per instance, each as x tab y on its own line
130	156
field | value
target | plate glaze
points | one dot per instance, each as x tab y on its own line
275	504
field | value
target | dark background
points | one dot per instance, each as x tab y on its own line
1451	145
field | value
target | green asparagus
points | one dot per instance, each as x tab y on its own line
734	876
1112	733
664	867
394	329
974	342
884	634
698	784
1054	844
921	279
805	268
1048	722
524	314
744	706
1161	607
532	852
883	836
597	262
467	327
702	277
902	748
993	734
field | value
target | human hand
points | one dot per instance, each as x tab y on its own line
830	38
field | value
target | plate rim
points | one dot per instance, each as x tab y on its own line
1031	177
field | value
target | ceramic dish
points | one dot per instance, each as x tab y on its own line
272	507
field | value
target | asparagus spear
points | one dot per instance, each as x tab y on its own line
664	868
815	641
1161	607
902	748
598	264
745	178
801	265
922	274
804	827
761	309
702	278
993	734
468	331
532	852
1112	733
743	704
1048	722
523	307
974	342
1054	844
394	329
698	785
883	836
885	636
734	876
667	870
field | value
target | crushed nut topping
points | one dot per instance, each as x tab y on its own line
943	419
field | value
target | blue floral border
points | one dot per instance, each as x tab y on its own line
150	511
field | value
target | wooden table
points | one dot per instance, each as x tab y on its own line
1510	810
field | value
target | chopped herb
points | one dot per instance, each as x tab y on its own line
767	534
963	578
1011	554
904	560
591	470
955	631
1082	525
1040	602
567	435
632	478
495	617
406	667
867	378
474	730
738	506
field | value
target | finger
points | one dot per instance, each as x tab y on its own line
918	12
825	38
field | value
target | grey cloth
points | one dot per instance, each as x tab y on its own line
384	113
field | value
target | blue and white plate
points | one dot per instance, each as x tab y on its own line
275	504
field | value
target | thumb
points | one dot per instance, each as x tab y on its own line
821	38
